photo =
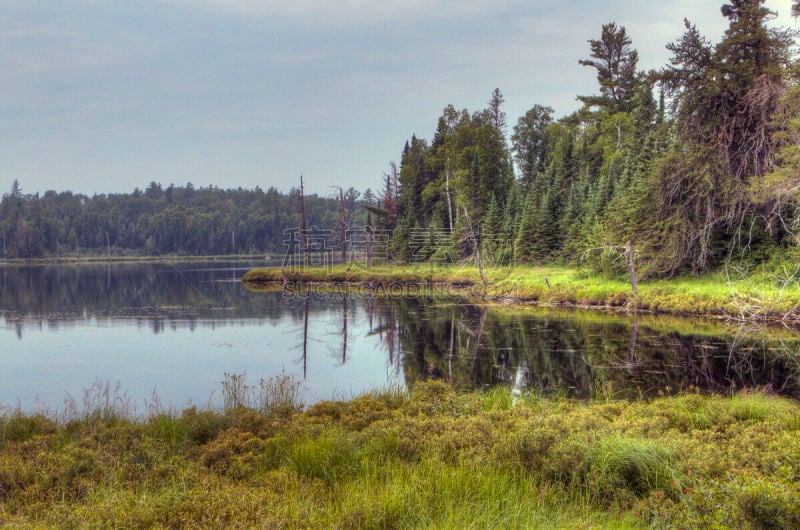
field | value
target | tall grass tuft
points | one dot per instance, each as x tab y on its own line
635	465
280	392
101	401
330	457
276	393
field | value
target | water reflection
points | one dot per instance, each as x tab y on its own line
578	355
183	326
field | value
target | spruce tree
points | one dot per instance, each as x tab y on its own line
615	62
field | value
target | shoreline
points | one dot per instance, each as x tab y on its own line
713	296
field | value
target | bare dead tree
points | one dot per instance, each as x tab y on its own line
631	270
476	248
369	245
395	179
622	250
447	194
342	225
303	224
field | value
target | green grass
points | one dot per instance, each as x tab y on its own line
427	458
746	298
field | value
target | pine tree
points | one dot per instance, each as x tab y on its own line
16	190
725	98
615	62
498	116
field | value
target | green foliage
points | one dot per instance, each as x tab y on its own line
20	428
203	426
329	457
180	220
615	62
710	179
638	466
429	458
468	163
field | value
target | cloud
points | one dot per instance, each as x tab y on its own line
350	12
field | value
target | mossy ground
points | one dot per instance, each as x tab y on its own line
745	297
427	458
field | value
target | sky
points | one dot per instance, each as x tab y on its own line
102	96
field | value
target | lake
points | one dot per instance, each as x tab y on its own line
169	332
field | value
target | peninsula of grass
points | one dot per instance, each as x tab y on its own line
766	297
428	458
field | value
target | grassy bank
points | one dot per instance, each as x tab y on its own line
746	298
428	458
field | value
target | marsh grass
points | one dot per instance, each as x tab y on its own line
630	464
743	296
427	457
101	401
280	392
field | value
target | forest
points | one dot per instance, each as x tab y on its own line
695	164
178	220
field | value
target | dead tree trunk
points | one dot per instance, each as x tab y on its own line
369	246
303	224
342	225
447	194
477	246
631	270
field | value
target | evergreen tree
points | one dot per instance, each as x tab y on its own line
496	113
529	143
725	98
615	62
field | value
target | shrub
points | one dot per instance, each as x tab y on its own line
19	428
204	426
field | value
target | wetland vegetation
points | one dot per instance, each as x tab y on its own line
429	457
729	295
684	179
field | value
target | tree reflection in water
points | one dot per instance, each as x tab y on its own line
567	353
575	354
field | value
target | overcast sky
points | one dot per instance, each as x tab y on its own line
101	96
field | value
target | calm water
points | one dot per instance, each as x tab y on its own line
177	329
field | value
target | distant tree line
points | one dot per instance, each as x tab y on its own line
181	220
694	163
